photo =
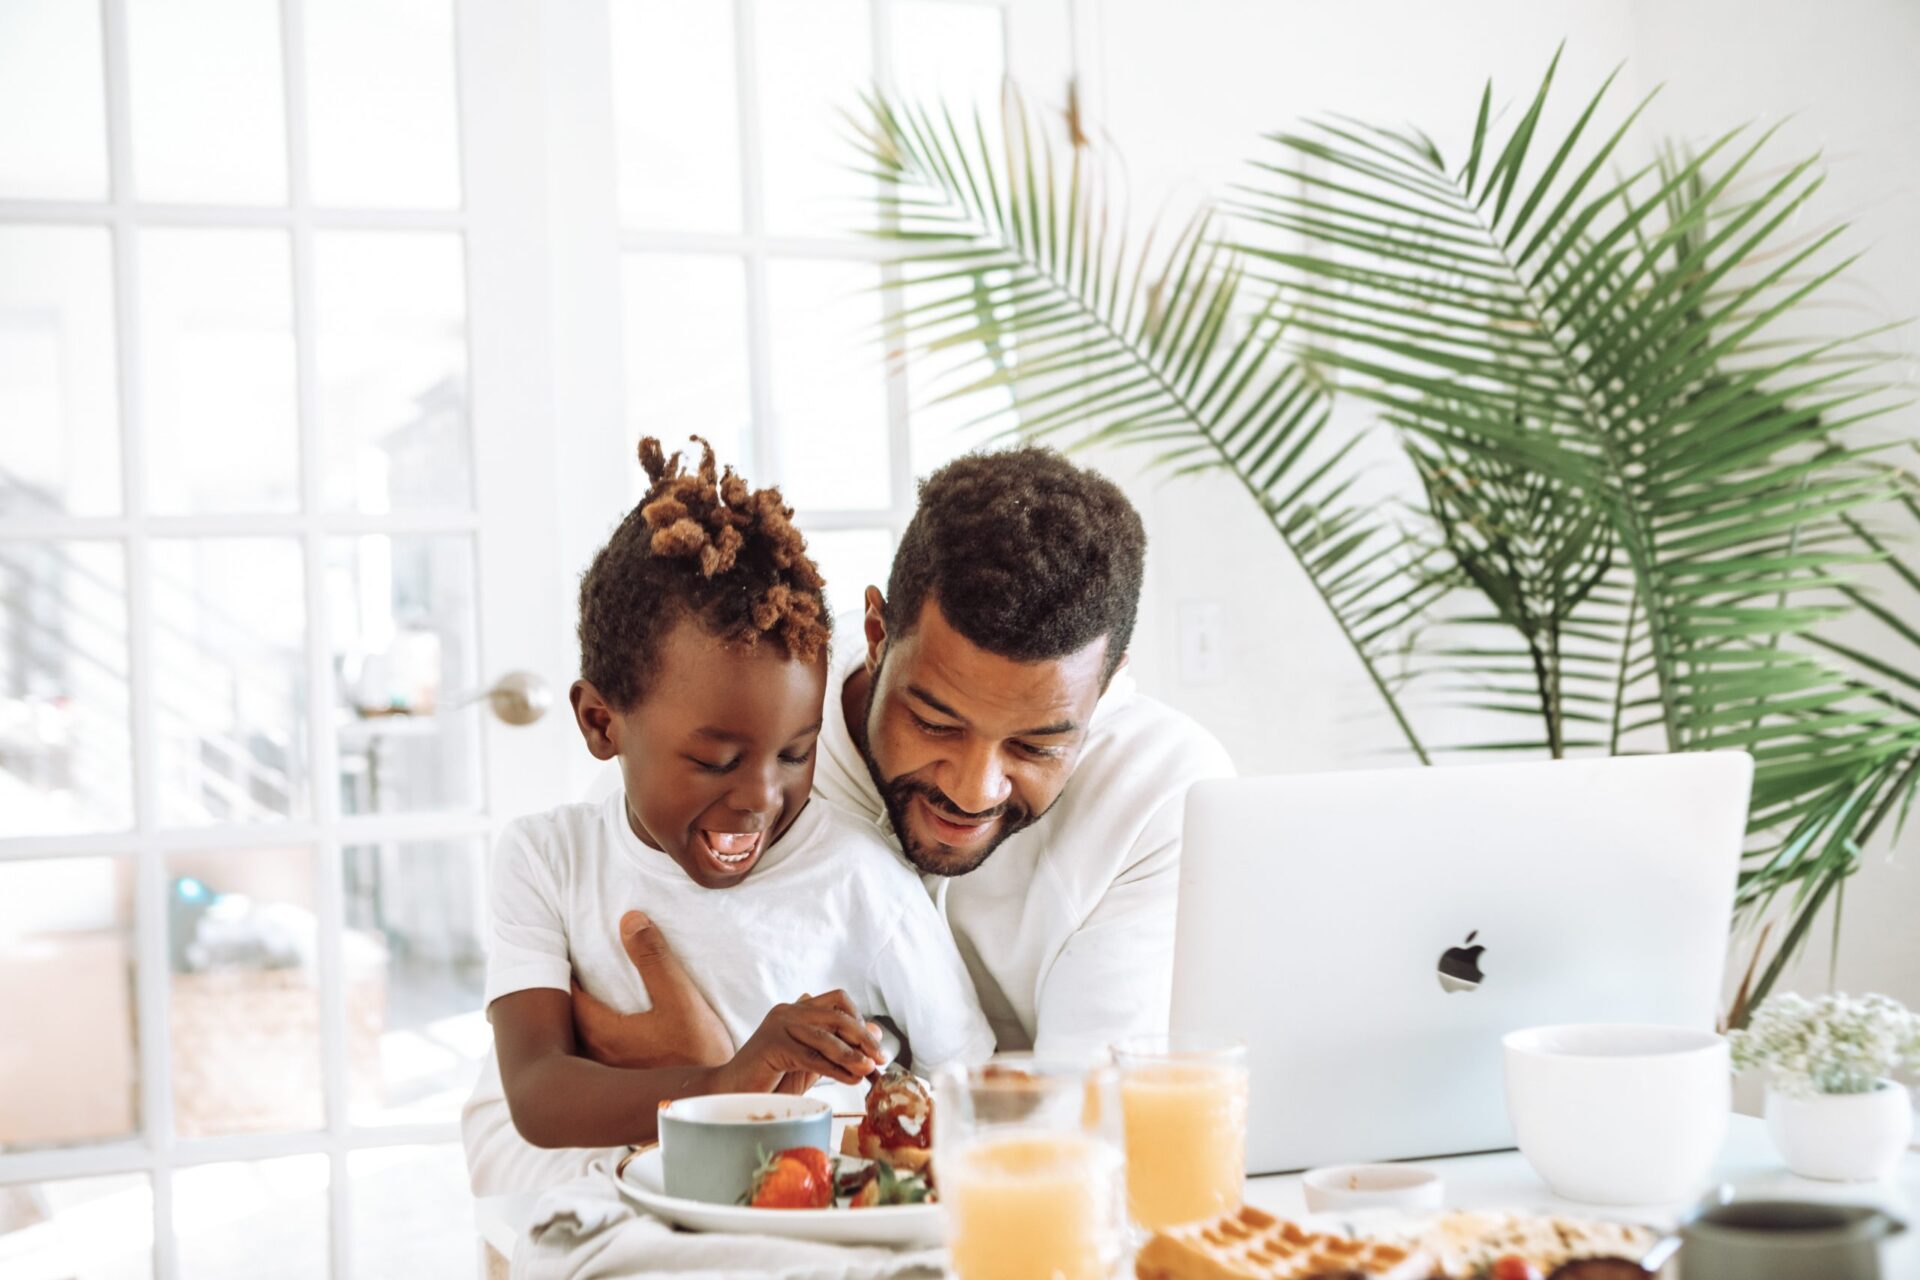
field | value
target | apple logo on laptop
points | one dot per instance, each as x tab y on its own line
1460	966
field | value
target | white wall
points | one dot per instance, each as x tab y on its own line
1185	93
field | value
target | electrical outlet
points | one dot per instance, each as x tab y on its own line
1202	642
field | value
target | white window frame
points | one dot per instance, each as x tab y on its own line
523	599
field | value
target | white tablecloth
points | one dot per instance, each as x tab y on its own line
1503	1180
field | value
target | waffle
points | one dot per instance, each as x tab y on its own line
1251	1245
1464	1244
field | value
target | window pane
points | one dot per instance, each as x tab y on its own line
829	384
64	748
245	1018
217	371
851	560
83	1228
392	358
69	1071
943	51
381	118
940	429
60	449
241	1221
419	908
676	114
230	724
209	124
815	59
52	72
402	613
412	1213
686	353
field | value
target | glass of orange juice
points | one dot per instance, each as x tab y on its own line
1184	1103
1028	1157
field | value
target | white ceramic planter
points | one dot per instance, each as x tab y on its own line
1841	1137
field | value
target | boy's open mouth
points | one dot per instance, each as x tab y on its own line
730	850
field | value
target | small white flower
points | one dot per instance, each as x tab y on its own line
1835	1044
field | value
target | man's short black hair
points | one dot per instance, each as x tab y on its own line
1029	556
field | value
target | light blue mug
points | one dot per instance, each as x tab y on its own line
710	1146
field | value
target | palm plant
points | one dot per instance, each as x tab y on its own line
1644	515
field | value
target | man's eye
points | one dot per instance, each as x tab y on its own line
937	730
1038	752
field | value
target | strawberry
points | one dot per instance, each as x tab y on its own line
814	1158
1512	1267
786	1181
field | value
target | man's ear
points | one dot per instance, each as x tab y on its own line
874	623
596	720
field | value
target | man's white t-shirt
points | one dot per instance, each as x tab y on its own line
1067	927
829	906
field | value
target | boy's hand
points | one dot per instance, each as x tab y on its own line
814	1036
680	1030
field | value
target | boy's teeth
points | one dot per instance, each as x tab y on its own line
732	846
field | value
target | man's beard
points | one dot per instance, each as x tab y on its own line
898	793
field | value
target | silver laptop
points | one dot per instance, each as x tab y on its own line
1372	935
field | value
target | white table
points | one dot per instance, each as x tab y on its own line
1504	1181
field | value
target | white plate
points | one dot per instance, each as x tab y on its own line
891	1225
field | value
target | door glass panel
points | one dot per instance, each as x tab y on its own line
392	361
242	951
52	72
402	612
69	1068
65	763
240	1221
676	118
851	560
686	353
230	721
815	58
60	447
948	52
418	908
829	384
83	1228
209	121
217	371
382	122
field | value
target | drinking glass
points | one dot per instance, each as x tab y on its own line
1028	1157
1184	1103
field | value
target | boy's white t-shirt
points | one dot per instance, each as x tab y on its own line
829	906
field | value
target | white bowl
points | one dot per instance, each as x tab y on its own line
1371	1186
1619	1114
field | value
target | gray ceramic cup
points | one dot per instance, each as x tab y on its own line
710	1146
1785	1240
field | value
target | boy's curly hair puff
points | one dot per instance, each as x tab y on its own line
702	545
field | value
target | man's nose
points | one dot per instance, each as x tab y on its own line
976	780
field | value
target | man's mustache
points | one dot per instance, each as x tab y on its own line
937	800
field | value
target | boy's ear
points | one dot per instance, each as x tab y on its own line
874	623
596	720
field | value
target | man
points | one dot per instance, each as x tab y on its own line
987	723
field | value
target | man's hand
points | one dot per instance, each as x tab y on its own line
680	1030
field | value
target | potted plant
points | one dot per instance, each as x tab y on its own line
1554	426
1832	1110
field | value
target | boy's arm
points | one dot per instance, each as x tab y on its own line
559	1099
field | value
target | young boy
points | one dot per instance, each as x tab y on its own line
703	637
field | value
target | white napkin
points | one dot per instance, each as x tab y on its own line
586	1230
